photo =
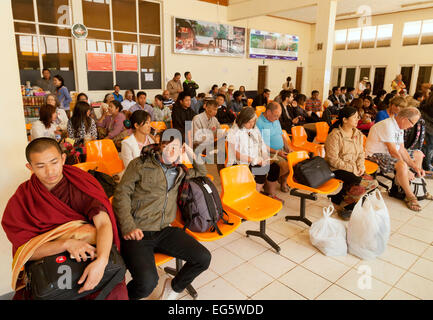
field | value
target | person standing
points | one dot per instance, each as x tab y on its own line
288	85
190	87
174	86
46	83
62	94
397	83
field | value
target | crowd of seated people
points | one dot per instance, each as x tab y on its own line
395	124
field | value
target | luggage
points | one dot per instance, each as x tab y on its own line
56	277
418	186
313	172
200	205
107	182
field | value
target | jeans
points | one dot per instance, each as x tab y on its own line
140	261
428	151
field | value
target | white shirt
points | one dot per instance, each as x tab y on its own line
131	149
62	119
39	130
248	142
126	104
385	131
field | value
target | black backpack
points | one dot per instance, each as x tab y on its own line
418	186
200	205
313	172
106	181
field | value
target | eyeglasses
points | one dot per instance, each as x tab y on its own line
411	122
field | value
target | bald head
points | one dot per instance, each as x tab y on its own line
273	111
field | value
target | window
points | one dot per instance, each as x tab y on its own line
384	35
44	40
368	36
424	76
128	52
427	32
406	72
340	73
354	38
340	39
411	33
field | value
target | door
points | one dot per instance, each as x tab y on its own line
424	76
350	77
406	72
379	79
262	80
299	78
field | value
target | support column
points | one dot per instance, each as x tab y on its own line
13	139
80	48
321	57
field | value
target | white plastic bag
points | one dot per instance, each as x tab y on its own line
369	227
329	234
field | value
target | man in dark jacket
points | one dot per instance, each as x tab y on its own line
181	113
189	85
262	99
145	204
224	114
286	120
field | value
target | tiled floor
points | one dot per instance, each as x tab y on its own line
248	268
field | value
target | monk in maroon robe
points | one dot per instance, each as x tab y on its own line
55	195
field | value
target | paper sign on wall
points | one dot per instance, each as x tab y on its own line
99	62
126	62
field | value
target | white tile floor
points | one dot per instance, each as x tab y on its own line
248	268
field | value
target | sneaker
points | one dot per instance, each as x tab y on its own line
168	293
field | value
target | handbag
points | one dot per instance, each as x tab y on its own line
313	172
417	185
56	277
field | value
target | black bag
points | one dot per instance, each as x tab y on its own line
107	182
418	186
313	172
47	276
200	205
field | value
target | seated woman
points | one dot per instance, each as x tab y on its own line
140	137
246	146
110	125
145	203
369	106
306	119
62	118
345	155
161	112
69	204
395	105
81	127
46	126
365	121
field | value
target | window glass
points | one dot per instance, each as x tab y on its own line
125	16
411	32
54	11
354	38
427	32
151	23
424	76
96	14
340	39
23	10
384	35
368	36
25	27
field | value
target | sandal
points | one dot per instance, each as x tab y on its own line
412	204
428	196
285	188
273	197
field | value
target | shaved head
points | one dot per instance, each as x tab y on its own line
40	145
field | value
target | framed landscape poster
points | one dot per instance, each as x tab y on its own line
270	45
208	38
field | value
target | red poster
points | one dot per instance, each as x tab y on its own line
99	62
126	62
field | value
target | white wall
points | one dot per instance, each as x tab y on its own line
13	138
208	70
392	57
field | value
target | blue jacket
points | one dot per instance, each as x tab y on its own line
64	97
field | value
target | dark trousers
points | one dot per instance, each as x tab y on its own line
270	173
349	179
139	259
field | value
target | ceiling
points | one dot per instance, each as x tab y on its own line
347	9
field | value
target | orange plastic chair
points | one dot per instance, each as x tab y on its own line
294	158
161	259
158	125
249	102
260	110
105	153
28	126
322	129
225	127
300	143
86	166
240	197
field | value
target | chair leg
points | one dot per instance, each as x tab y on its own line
303	197
262	234
192	292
